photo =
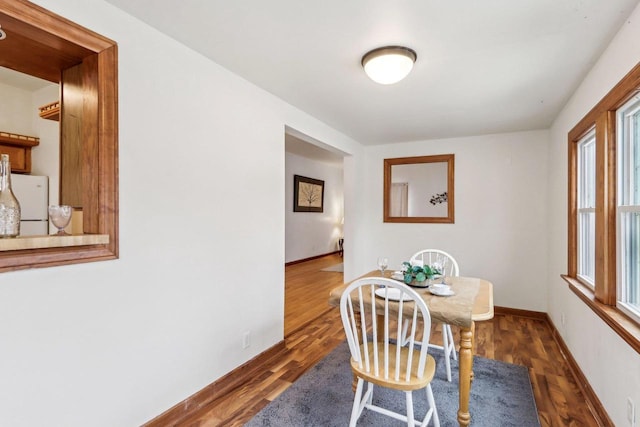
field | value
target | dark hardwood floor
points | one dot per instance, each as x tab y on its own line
307	290
313	329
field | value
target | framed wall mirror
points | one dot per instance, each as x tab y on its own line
419	189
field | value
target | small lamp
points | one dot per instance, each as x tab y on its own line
389	64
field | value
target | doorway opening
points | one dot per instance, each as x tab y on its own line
313	239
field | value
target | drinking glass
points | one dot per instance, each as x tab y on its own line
444	271
60	216
383	263
437	266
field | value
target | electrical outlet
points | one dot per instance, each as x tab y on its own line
246	339
631	412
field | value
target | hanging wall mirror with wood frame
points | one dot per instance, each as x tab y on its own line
419	189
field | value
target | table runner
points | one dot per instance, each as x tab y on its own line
454	310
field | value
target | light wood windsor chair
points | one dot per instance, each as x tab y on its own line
371	309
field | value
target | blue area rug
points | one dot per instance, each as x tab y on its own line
501	396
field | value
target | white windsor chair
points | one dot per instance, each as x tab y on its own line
374	313
449	268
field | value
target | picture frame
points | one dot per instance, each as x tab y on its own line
308	194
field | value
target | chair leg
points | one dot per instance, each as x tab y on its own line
356	410
432	405
452	343
403	339
446	349
369	393
410	419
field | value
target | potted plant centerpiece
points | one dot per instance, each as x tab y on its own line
420	275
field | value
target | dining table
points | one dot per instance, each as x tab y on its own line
471	302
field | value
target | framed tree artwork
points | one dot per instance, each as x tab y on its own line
308	194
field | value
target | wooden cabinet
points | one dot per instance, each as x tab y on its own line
18	147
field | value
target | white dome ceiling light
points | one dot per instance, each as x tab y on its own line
389	64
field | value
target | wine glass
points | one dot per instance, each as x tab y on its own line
443	269
383	263
60	216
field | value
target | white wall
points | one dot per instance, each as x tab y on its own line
308	234
201	167
610	365
16	110
45	158
499	232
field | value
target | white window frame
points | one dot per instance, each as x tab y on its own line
586	207
626	202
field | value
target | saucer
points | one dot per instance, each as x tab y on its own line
440	287
397	275
442	293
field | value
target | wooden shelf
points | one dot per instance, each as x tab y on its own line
50	111
7	138
52	241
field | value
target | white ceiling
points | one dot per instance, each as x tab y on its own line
484	66
301	146
22	81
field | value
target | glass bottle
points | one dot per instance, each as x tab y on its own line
9	205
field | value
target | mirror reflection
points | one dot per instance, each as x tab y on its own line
419	189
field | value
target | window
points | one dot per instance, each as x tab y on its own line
59	44
604	209
628	208
587	207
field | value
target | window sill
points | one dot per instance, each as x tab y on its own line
626	328
52	241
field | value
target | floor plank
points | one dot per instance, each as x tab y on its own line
305	287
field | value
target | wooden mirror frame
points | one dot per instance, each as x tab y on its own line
43	44
388	163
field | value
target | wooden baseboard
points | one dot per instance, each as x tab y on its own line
310	258
518	312
216	389
592	401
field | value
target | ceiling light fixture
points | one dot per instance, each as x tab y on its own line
389	64
3	35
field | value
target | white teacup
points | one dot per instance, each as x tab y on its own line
440	287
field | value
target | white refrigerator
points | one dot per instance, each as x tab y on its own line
32	193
